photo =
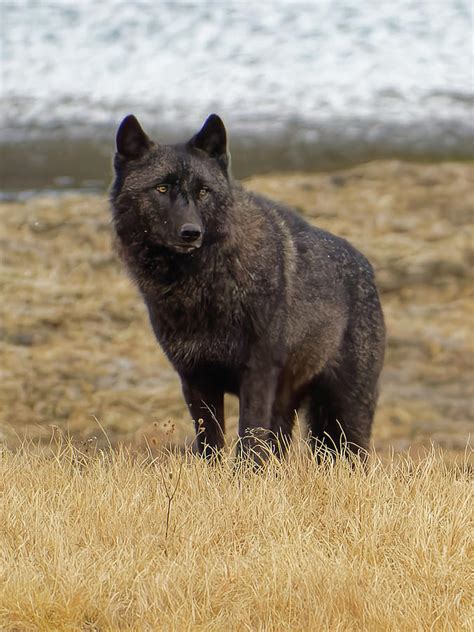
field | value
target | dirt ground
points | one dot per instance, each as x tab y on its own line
77	351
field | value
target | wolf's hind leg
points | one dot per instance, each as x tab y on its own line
339	421
324	432
282	429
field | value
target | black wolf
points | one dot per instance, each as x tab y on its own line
245	297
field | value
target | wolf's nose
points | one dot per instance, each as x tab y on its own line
190	232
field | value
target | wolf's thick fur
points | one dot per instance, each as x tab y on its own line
245	297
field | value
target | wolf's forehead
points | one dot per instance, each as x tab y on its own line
168	163
180	163
164	160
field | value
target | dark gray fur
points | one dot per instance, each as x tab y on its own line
252	301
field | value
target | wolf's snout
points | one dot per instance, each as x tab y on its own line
190	232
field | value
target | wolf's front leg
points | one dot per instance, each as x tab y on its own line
206	406
257	395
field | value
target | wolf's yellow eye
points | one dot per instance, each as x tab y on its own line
203	192
162	188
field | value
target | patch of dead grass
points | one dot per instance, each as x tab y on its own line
75	342
84	543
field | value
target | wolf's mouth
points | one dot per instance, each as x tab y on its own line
185	249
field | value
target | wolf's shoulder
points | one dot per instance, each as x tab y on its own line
307	236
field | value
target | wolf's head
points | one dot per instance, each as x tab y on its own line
170	197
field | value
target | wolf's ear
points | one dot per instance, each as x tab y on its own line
132	142
212	138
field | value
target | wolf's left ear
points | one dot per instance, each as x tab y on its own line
212	138
132	142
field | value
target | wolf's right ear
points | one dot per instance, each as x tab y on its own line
212	139
132	142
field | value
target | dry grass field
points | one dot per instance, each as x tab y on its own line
89	538
85	544
76	345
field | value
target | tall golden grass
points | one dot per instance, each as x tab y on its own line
110	540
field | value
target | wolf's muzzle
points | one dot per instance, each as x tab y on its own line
190	233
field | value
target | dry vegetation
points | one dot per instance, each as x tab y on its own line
85	545
75	340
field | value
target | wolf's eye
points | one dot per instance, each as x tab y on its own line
203	191
163	188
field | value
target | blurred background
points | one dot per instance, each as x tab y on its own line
300	85
359	113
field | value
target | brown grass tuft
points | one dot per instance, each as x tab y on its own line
91	541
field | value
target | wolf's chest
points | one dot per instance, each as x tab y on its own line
204	342
200	325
